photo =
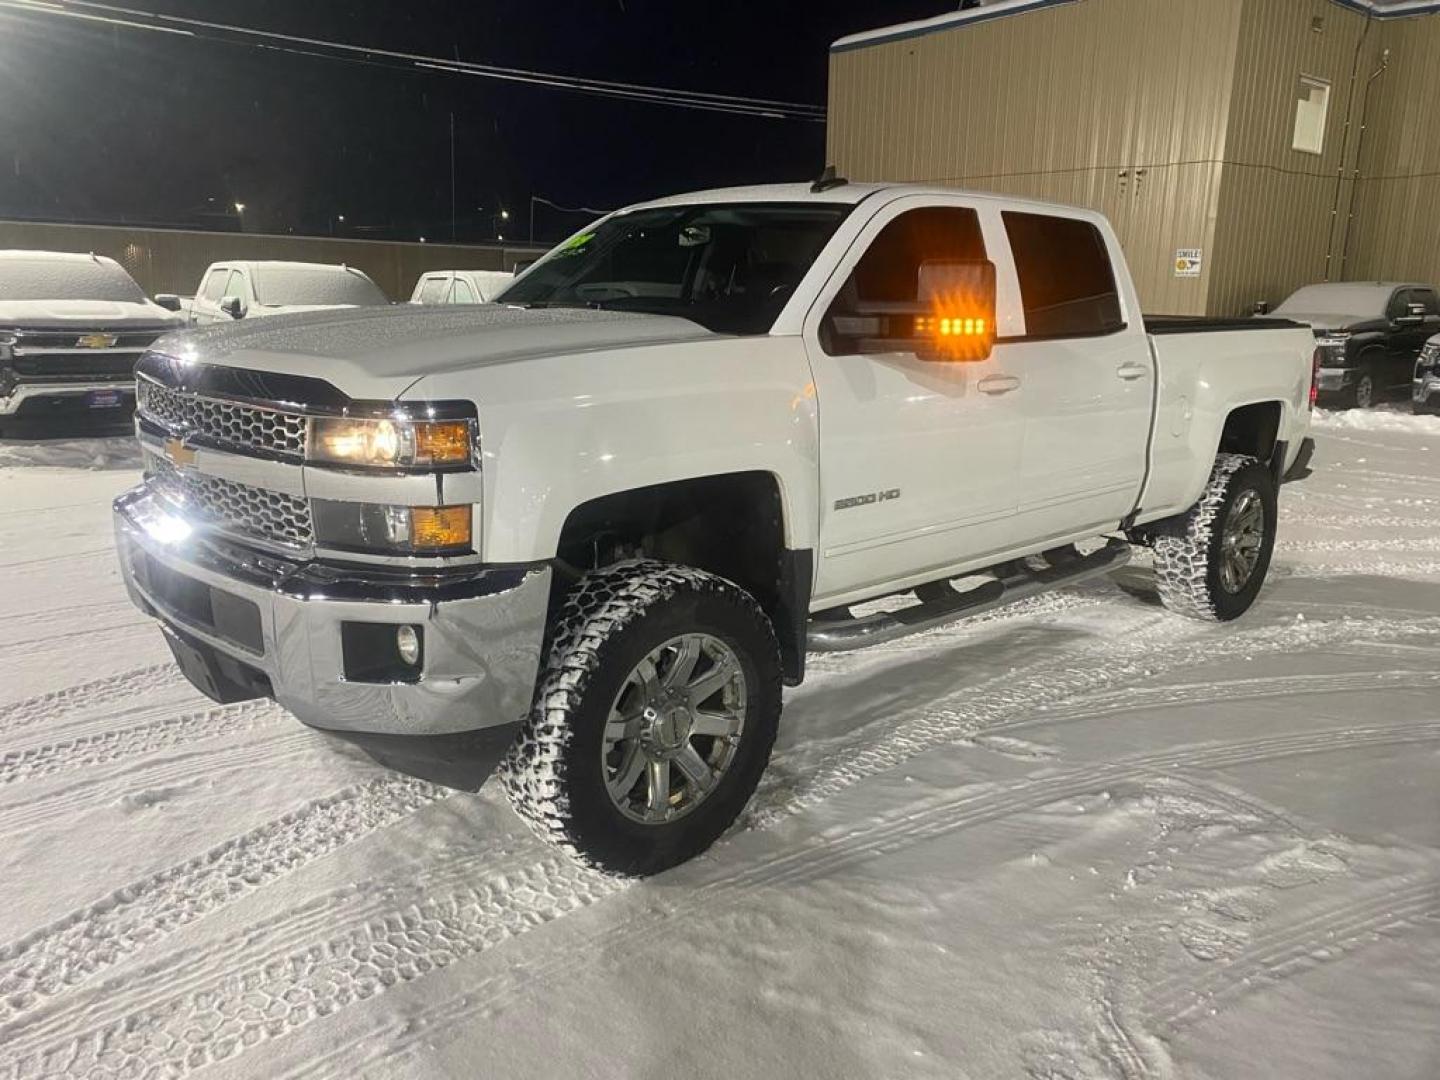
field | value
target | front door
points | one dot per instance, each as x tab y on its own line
918	458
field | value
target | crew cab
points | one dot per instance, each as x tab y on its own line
460	286
601	522
72	327
250	289
1368	336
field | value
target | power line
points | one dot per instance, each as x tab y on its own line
231	34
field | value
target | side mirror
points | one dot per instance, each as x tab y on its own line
951	318
1262	307
232	306
169	301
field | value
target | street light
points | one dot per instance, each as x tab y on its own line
240	213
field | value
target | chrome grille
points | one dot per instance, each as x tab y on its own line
244	427
234	508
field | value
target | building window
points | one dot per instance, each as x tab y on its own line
1311	109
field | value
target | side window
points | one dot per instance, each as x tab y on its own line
1400	301
433	291
463	294
237	286
214	287
1428	298
1067	284
889	271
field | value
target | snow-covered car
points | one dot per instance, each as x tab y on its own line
1425	385
1368	335
241	290
72	327
460	286
602	523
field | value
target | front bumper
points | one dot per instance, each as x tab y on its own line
26	395
276	626
1425	394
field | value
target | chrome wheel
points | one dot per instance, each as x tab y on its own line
1365	392
1241	541
673	728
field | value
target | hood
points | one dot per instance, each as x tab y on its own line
376	352
87	315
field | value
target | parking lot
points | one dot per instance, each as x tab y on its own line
1075	838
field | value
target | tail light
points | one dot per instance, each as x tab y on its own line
1315	378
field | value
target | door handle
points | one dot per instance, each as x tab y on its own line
1129	371
998	384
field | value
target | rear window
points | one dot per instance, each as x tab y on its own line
67	279
433	291
303	286
1067	284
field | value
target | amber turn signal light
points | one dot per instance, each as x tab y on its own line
434	527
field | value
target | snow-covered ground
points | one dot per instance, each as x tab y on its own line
1077	839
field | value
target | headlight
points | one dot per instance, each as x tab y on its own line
393	530
390	443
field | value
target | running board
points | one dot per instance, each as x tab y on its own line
847	634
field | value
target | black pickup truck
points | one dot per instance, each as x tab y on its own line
1368	335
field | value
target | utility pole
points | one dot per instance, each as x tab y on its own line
452	176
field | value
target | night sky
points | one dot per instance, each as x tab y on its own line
102	124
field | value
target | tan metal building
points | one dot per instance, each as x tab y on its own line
1242	148
173	260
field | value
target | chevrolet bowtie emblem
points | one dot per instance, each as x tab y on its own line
180	455
96	341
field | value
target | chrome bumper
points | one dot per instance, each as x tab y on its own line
482	628
1330	380
10	404
1425	393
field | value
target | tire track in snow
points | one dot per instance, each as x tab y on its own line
561	882
264	947
60	705
238	1011
117	744
1287	949
1091	706
986	706
817	857
147	775
76	947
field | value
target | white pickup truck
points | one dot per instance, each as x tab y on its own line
241	289
601	522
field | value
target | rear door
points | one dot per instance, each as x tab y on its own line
1086	373
918	459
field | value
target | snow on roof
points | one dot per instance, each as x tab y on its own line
999	9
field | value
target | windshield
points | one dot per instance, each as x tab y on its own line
303	286
728	267
66	279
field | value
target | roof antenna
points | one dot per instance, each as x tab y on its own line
828	180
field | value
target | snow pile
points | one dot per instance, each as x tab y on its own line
1389	417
